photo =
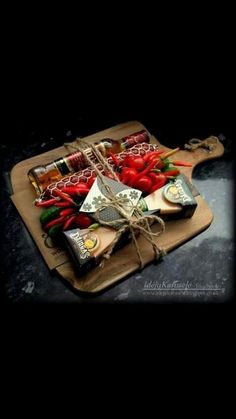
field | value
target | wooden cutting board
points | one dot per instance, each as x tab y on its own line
124	261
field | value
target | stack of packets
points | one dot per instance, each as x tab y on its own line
174	200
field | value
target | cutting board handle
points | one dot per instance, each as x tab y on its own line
199	154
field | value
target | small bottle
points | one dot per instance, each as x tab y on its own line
41	176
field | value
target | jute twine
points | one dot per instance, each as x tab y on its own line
209	143
137	223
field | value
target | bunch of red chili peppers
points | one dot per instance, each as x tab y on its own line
62	212
147	173
150	172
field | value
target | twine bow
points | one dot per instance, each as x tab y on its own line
209	143
137	223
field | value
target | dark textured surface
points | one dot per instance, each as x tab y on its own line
199	271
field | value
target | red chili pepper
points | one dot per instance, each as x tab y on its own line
154	176
144	183
181	163
69	222
47	203
79	189
54	222
136	162
159	157
91	181
79	185
66	212
146	157
126	160
64	196
127	175
171	172
114	158
144	172
152	154
83	221
123	170
63	204
160	160
159	181
159	164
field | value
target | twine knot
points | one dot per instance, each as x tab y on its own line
209	143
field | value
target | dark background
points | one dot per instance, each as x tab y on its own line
66	81
171	69
175	74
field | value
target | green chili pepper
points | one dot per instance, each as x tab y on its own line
94	226
166	165
55	230
49	214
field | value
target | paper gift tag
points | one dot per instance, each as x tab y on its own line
99	195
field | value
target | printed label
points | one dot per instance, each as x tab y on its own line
178	192
84	244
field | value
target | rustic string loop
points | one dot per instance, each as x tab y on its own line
209	143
